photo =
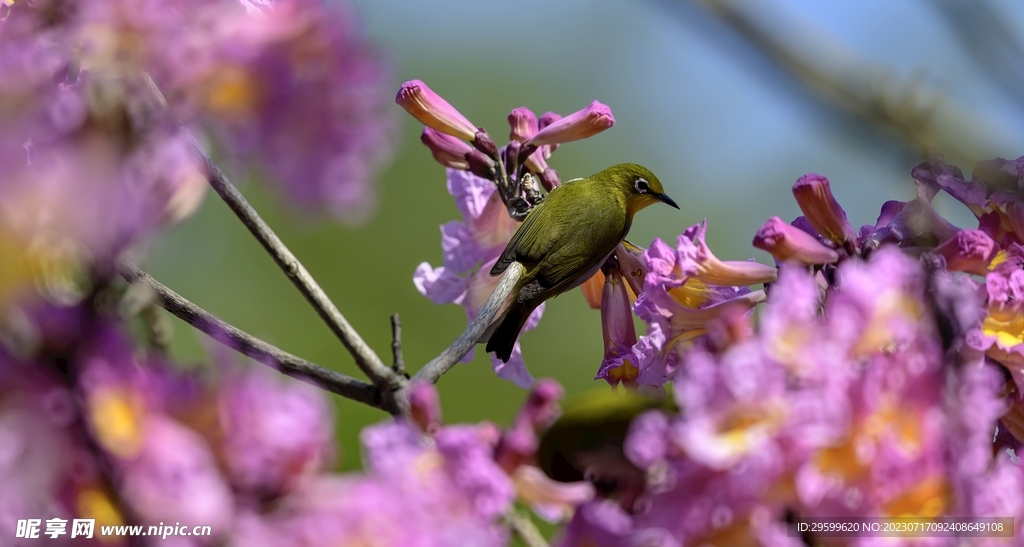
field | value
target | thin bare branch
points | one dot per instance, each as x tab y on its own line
366	359
257	349
396	345
441	364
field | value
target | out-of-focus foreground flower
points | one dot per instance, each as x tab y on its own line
92	429
95	98
869	389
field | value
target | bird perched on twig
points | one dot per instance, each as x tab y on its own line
566	238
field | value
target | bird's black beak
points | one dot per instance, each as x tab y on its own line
664	198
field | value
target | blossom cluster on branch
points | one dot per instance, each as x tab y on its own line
882	378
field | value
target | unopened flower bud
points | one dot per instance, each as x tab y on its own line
547	119
433	111
967	251
523	123
511	154
549	179
588	122
535	162
446	149
814	195
788	243
480	165
424	406
541	408
484	143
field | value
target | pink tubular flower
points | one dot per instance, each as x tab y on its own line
523	124
680	298
581	124
695	259
993	194
447	150
786	242
917	223
550	498
518	444
814	195
842	413
620	363
424	406
933	175
433	111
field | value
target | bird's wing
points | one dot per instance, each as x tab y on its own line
570	264
526	247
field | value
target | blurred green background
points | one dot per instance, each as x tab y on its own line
726	129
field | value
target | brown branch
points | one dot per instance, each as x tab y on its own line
366	359
257	349
396	345
441	364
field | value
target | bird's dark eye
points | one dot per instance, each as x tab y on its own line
641	185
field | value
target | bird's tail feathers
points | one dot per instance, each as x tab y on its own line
506	333
507	305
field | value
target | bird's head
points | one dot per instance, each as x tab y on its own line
637	183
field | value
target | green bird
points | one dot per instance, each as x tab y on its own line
565	240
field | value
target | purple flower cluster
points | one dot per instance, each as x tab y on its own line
92	429
425	483
95	98
481	179
293	89
883	360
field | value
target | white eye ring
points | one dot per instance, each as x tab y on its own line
641	185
